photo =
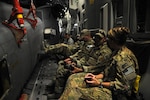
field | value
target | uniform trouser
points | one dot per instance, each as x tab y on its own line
62	75
77	89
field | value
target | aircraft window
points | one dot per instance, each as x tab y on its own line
119	8
141	15
104	15
4	78
118	12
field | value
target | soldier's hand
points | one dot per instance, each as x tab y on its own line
76	70
89	75
68	61
93	82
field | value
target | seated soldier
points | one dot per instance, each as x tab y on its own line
117	77
68	39
85	60
67	50
78	48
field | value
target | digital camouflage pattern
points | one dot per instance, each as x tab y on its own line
97	59
91	61
61	48
76	87
62	73
65	49
83	50
123	70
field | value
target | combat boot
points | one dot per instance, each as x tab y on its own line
53	96
50	87
57	93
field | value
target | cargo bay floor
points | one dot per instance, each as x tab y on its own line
42	75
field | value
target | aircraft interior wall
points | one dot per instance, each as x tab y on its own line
21	57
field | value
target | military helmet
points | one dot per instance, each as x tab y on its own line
85	32
101	33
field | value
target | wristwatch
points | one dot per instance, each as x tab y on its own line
101	86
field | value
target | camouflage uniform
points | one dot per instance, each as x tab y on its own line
90	60
122	61
83	51
62	49
66	49
58	49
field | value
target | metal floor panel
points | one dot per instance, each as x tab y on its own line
44	72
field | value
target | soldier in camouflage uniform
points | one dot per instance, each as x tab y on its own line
61	50
87	59
67	50
117	77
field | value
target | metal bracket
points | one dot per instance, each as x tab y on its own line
17	13
17	32
33	11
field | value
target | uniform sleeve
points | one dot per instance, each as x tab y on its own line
58	49
102	60
125	74
104	57
75	55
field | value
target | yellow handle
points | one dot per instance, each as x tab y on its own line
137	83
19	16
